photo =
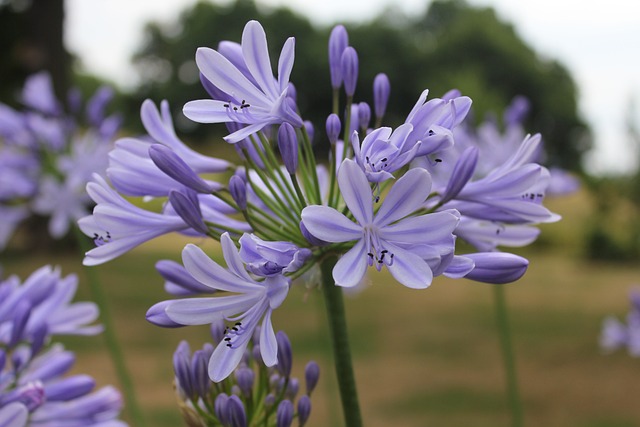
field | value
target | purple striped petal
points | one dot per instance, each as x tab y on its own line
256	56
405	197
329	225
409	269
351	267
356	192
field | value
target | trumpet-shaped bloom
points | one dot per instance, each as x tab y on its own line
381	239
245	90
251	301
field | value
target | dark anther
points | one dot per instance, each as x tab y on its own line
370	254
234	329
226	105
238	323
95	235
235	108
381	258
384	251
229	344
438	160
431	132
227	338
384	160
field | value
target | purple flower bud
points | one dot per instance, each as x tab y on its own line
182	368
30	395
38	338
218	330
355	119
288	145
69	388
497	267
311	375
238	190
220	408
158	316
292	388
97	104
338	41
178	280
74	100
269	400
13	414
517	111
199	373
364	116
349	66
292	92
285	356
236	415
3	359
381	90
333	128
284	415
310	237
311	131
171	164
255	352
304	410
245	378
189	210
20	318
462	173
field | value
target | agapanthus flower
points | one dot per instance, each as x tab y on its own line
48	155
380	237
35	387
250	95
251	304
616	334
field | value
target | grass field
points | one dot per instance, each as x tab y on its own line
423	358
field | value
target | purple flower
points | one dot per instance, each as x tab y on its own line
249	93
251	302
266	258
380	238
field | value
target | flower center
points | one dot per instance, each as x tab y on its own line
378	255
239	112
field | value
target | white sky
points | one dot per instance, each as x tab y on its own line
599	43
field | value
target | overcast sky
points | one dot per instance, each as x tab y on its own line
599	43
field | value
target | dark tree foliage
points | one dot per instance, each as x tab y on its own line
453	45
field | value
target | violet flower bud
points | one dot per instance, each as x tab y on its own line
270	400
20	318
220	408
285	356
171	164
3	359
245	378
189	210
497	267
349	66
364	116
381	90
333	128
182	368
255	352
284	415
292	388
200	381
462	173
178	280
311	375
158	316
310	237
30	395
517	111
236	415
238	190
217	330
38	338
311	131
70	388
292	93
338	41
97	104
304	410
288	145
355	119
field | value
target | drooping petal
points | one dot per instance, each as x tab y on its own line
405	197
201	311
328	224
409	269
268	343
351	267
356	191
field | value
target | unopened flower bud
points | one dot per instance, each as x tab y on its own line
70	388
338	41
311	375
349	64
178	280
238	190
236	415
20	318
304	410
364	116
245	378
220	408
171	164
497	267
292	93
381	90
333	128
285	356
200	373
182	368
188	208
288	145
269	400
311	131
292	388
284	416
158	316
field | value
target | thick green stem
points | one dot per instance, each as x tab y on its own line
111	340
340	341
506	345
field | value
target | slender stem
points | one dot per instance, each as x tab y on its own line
340	341
111	340
513	395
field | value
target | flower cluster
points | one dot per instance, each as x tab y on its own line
48	155
34	390
389	198
616	335
253	395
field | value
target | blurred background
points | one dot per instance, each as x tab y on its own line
422	359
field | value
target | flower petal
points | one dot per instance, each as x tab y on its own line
421	229
201	311
356	191
409	269
207	111
350	268
232	257
268	343
256	56
224	360
285	63
406	196
328	224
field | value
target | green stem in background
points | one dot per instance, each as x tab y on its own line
340	341
506	345
111	340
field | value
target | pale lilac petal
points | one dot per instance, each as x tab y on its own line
209	273
497	267
244	132
351	267
268	343
285	63
409	269
256	56
207	111
328	224
224	360
14	415
202	311
356	191
232	257
421	229
462	173
405	197
459	267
